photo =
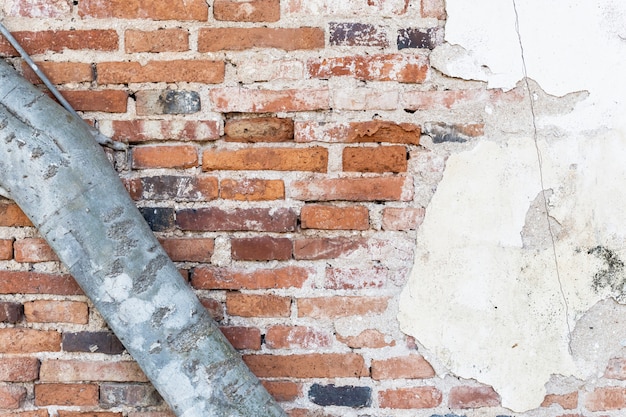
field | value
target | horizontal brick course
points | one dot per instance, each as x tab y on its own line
214	278
33	250
139	9
237	39
326	307
170	156
264	248
397	67
162	40
189	249
406	367
12	396
410	398
234	99
137	131
259	129
334	218
313	159
246	305
12	216
170	187
247	11
296	337
70	371
358	132
22	340
66	394
351	189
60	72
255	219
243	337
19	369
22	282
349	365
253	189
379	159
199	71
108	101
59	40
48	311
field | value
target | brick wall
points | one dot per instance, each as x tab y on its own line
275	152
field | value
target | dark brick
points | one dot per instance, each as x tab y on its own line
357	34
262	249
168	102
100	342
160	219
419	38
11	312
345	396
256	219
171	187
133	395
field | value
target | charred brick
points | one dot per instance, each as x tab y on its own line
11	312
160	219
419	38
357	34
344	396
100	342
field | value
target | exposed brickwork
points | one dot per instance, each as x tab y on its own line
213	278
138	9
33	250
163	40
410	398
43	41
277	159
247	11
200	71
390	67
44	311
473	397
236	39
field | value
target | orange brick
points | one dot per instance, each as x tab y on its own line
378	159
200	71
189	249
65	413
252	189
259	129
48	8
60	72
243	337
12	216
44	311
33	250
140	9
59	40
402	218
327	248
12	396
214	278
334	218
410	398
566	401
20	340
214	307
134	131
109	101
247	11
370	338
331	365
6	249
328	307
473	397
79	371
262	248
42	412
296	337
402	68
352	189
375	131
283	390
19	369
246	305
275	159
606	398
235	99
238	39
174	156
66	394
23	282
406	367
162	40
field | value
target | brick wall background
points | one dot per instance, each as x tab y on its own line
275	151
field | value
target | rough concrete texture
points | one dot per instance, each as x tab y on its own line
522	242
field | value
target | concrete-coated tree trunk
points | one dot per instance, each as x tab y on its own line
51	166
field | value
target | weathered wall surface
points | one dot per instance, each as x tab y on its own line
291	156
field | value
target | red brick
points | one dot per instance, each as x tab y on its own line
566	401
406	367
472	397
81	371
12	396
162	156
402	68
20	340
189	249
327	248
66	394
410	398
247	100
152	414
177	188
400	219
42	412
214	307
199	71
264	248
58	40
375	131
247	11
60	72
134	131
243	337
331	365
221	278
19	369
330	307
140	9
434	8
606	398
109	101
283	390
33	250
334	218
246	305
252	189
12	216
22	282
162	40
278	220
238	39
6	249
358	34
296	337
259	129
355	278
11	312
370	338
40	8
353	189
313	159
65	413
52	311
375	159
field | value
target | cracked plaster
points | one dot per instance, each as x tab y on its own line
495	294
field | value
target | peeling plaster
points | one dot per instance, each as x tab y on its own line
523	243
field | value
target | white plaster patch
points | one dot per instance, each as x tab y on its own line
135	310
117	288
